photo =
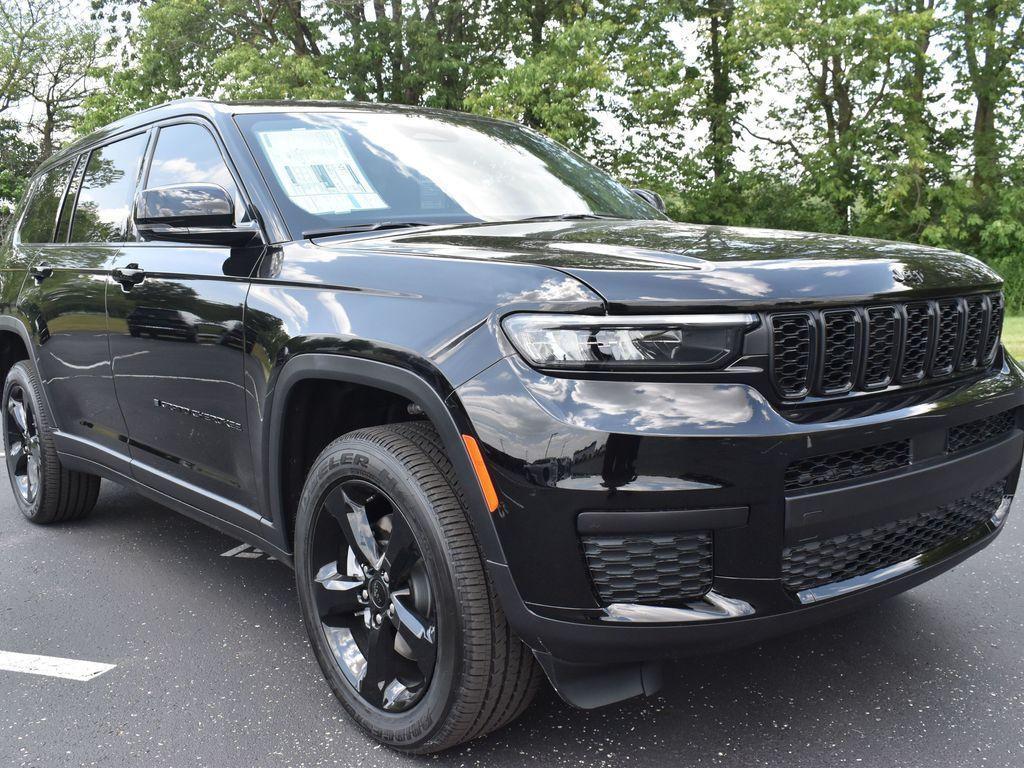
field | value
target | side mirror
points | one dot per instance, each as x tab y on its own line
197	213
651	198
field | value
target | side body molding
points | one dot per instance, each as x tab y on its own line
445	415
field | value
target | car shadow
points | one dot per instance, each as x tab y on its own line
813	698
821	693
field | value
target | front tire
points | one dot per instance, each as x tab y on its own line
44	490
395	598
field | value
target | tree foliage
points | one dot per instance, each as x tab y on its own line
899	119
46	68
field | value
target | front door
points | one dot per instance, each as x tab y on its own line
175	315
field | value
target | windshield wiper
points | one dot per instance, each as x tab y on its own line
374	226
567	217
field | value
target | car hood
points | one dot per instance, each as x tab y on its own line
661	264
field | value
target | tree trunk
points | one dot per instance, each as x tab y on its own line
302	36
47	131
538	18
721	128
985	142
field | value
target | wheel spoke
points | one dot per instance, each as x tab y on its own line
32	476
398	696
337	597
21	463
374	595
400	554
417	632
379	653
16	450
355	525
17	411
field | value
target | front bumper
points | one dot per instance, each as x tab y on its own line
719	457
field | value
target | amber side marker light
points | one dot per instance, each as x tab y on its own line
490	495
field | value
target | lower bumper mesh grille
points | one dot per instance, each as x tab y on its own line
981	431
847	465
854	554
650	569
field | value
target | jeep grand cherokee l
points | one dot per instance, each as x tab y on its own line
502	416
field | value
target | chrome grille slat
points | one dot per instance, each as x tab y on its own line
881	348
995	326
839	353
916	342
837	350
947	337
791	353
974	330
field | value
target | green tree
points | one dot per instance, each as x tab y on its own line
62	79
232	48
17	159
421	52
988	40
22	34
554	89
831	115
914	158
839	58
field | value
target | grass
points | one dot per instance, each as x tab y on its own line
1013	335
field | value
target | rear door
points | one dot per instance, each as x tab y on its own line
63	298
176	345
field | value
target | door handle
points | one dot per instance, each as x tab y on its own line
40	272
129	276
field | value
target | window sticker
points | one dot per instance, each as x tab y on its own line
317	171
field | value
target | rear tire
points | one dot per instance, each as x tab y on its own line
482	677
44	490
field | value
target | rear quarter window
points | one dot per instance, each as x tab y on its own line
43	204
64	223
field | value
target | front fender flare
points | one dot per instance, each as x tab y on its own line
16	326
446	416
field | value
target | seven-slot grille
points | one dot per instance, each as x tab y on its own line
834	351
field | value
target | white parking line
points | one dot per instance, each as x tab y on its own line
52	666
242	550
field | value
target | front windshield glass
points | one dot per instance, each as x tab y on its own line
334	170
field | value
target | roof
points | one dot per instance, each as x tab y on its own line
213	109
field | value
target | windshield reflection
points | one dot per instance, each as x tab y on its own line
349	168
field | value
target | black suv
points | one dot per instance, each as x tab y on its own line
499	412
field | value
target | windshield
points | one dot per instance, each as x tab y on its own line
336	170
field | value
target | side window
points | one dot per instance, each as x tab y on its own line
64	222
108	187
187	153
41	212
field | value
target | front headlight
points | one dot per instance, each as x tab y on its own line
642	342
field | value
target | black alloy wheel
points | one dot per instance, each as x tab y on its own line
44	490
21	440
399	610
373	596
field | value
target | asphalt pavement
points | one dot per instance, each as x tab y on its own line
212	668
